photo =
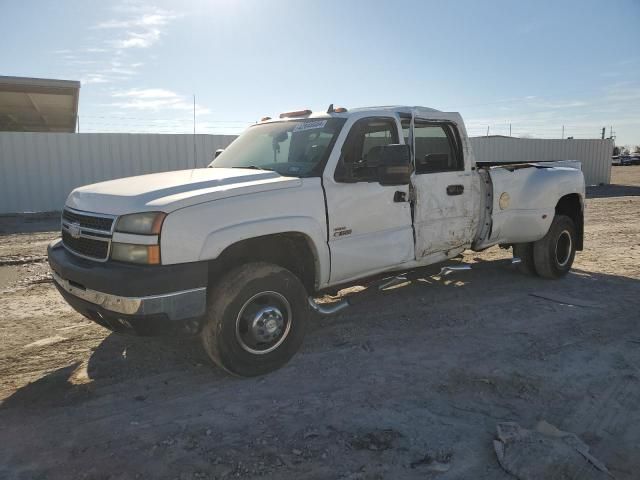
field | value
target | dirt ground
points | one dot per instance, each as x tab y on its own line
410	384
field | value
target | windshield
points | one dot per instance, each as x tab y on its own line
295	148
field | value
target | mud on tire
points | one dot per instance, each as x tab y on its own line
256	319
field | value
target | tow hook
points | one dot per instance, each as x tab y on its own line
336	307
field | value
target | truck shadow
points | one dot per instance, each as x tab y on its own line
479	288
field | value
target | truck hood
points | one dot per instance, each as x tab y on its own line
169	191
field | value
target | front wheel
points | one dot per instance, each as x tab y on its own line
553	254
256	319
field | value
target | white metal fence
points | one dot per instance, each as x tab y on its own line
38	170
594	155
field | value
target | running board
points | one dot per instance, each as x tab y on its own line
348	302
328	309
444	271
336	307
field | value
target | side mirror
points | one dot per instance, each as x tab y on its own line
394	164
218	152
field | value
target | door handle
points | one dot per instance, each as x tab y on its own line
455	189
400	197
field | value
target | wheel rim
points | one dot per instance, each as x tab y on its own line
263	323
563	248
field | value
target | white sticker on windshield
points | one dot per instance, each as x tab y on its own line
302	126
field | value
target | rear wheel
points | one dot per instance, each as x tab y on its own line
524	251
256	319
554	254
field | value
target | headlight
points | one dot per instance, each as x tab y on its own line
132	242
147	223
130	253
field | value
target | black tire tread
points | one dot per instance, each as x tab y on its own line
222	294
543	256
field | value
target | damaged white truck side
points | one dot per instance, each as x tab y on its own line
296	206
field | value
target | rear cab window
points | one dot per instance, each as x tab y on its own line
437	146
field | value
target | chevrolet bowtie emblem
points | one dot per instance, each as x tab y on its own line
74	230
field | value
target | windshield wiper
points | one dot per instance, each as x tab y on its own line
255	167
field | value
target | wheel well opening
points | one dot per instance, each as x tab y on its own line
289	250
571	206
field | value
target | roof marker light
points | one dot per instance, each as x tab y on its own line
296	113
336	110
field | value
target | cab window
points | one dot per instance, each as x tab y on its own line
436	148
355	165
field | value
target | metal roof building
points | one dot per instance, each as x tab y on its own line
593	154
38	104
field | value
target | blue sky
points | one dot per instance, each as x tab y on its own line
537	65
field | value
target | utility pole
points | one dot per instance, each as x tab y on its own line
603	130
509	129
562	132
487	130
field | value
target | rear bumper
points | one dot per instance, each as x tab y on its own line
162	299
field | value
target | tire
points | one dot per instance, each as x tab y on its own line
554	253
256	319
524	251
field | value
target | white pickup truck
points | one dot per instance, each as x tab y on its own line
296	206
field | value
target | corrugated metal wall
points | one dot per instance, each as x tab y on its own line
38	170
595	155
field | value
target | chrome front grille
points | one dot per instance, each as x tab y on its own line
86	220
87	234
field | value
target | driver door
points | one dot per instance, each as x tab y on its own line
369	224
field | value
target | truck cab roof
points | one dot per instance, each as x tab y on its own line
362	111
384	110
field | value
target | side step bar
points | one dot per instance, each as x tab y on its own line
329	309
336	307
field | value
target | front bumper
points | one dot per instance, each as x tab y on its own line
129	298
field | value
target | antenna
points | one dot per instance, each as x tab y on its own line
195	162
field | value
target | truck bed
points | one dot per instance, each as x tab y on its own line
534	163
